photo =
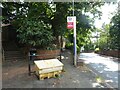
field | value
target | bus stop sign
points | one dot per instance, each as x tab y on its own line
70	22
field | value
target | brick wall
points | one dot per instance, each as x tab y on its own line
114	53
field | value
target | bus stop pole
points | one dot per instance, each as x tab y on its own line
75	49
74	39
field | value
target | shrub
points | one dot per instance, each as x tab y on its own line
35	33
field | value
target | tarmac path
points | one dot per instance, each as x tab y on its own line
104	66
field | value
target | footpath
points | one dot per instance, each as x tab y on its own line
15	75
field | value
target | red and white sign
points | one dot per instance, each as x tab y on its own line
70	22
70	25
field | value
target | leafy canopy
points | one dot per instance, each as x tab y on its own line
25	16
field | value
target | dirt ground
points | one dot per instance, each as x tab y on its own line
15	75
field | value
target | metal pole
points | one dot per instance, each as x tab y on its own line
74	37
61	47
0	50
73	7
29	66
75	49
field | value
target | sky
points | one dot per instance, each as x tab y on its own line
106	16
107	11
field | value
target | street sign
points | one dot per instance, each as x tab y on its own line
70	22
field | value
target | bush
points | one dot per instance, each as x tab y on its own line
35	33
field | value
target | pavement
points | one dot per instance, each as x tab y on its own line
104	66
15	75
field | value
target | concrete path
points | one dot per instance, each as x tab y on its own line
15	75
105	67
